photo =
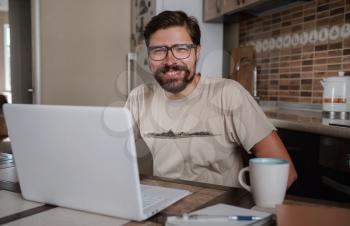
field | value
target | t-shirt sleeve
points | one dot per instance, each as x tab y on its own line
132	105
249	123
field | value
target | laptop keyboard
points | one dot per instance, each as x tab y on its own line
150	200
149	197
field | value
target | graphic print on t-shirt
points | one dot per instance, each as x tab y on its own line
172	135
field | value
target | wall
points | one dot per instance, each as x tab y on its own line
297	47
3	20
84	45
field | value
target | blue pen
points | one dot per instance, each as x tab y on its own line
220	217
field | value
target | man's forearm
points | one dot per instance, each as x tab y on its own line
272	146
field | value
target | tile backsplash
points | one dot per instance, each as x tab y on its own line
298	47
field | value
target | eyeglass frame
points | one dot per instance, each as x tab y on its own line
190	46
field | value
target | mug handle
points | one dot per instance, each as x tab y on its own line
241	180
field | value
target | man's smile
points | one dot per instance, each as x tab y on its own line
174	74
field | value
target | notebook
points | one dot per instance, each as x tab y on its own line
219	212
82	158
290	215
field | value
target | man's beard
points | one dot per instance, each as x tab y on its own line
174	85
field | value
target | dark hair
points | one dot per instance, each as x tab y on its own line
168	19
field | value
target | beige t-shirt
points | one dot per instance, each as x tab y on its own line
196	138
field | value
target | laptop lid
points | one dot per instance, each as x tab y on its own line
77	157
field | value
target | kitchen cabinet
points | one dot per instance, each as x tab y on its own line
230	6
322	163
335	168
212	10
303	149
227	10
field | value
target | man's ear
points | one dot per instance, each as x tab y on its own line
198	51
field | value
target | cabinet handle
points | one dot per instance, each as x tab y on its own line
131	58
336	185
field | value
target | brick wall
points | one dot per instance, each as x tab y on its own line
297	47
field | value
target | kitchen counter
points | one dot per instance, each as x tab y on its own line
304	120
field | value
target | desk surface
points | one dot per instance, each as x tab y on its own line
203	195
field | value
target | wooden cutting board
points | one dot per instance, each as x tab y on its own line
245	74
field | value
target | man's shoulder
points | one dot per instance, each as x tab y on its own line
231	93
222	83
144	88
143	92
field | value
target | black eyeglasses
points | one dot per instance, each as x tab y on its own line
179	51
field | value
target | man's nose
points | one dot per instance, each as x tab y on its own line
170	59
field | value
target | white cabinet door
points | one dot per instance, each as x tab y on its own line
84	44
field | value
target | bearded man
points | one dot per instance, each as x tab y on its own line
196	126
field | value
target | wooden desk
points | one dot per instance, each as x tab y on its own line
203	195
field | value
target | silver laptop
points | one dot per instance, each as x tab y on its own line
82	158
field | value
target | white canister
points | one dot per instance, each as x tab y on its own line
336	93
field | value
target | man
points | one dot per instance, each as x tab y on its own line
192	124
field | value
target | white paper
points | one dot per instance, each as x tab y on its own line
219	209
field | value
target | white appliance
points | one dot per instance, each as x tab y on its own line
211	59
336	96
